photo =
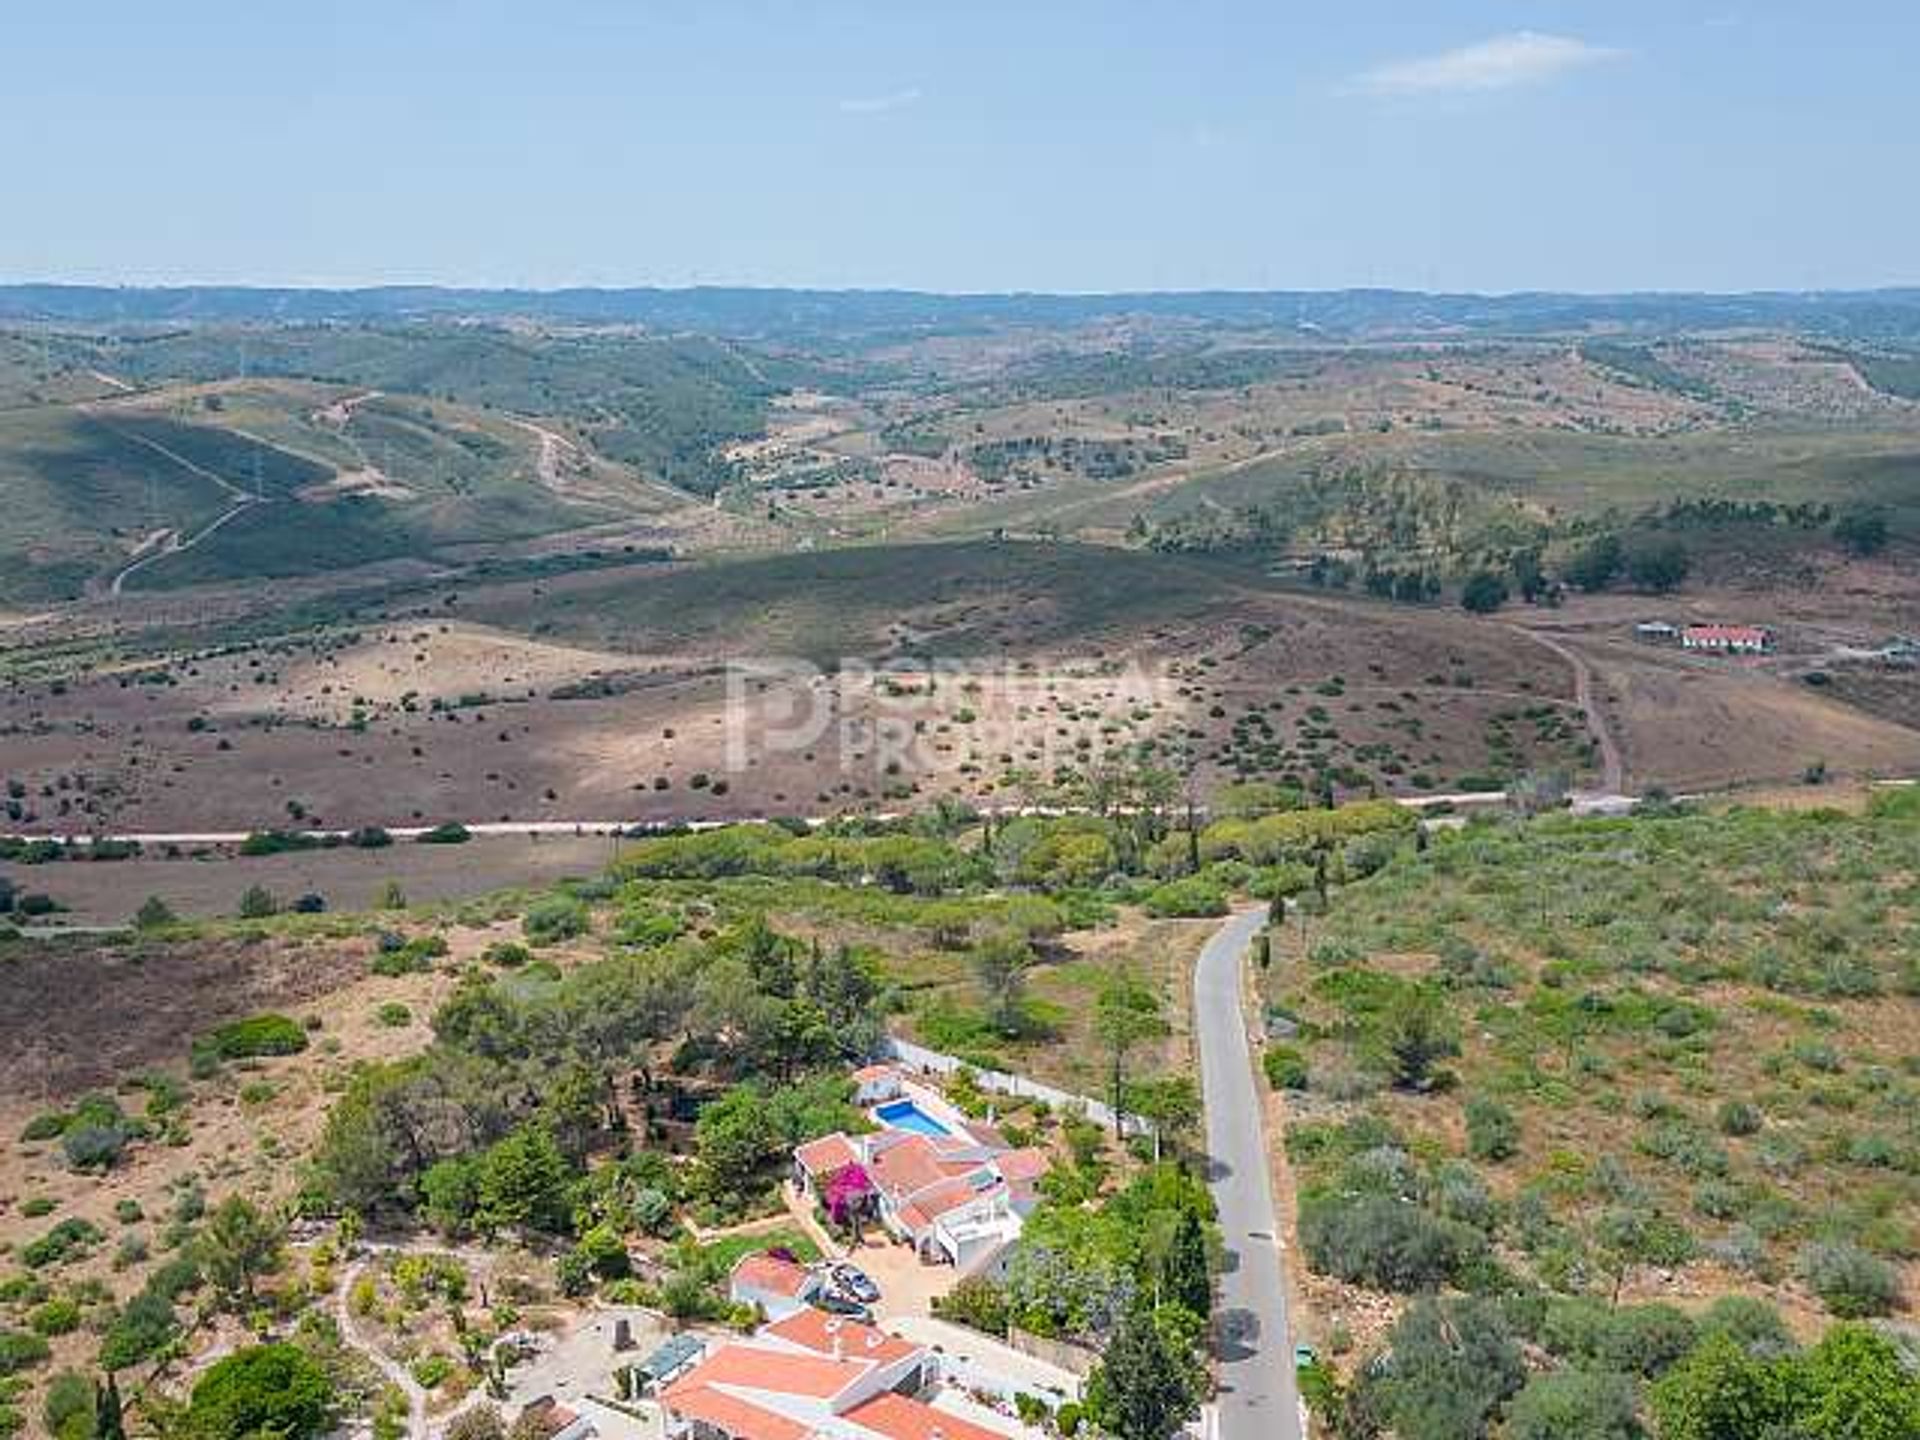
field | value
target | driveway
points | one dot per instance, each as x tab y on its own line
1254	1343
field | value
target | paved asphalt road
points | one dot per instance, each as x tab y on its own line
1258	1399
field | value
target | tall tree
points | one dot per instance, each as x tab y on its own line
1189	1282
1000	964
109	1414
1141	1389
239	1245
1125	1016
1172	1104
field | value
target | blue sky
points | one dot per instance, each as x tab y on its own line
1436	144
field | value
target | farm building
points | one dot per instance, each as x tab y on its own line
1727	639
1659	632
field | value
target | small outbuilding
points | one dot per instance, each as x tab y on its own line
777	1286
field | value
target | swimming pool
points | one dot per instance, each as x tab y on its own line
905	1115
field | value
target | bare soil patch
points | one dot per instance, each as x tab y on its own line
82	1013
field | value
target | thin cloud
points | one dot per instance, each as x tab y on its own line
879	104
1523	58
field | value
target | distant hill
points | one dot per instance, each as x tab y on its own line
814	315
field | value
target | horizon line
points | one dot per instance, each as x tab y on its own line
708	287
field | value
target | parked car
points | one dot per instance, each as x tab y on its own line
835	1303
852	1280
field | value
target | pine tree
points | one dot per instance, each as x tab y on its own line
1141	1391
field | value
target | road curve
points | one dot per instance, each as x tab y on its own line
1258	1399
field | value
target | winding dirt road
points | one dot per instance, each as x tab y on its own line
1613	770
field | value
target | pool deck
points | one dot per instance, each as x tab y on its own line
920	1110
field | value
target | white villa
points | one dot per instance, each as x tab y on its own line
951	1187
818	1377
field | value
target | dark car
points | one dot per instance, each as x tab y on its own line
835	1303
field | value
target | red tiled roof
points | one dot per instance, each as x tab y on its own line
1731	634
1028	1164
867	1074
817	1331
937	1200
733	1416
912	1164
757	1367
898	1418
826	1155
769	1273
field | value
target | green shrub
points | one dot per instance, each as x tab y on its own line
394	1015
278	842
1382	1241
1492	1131
977	1303
1849	1281
397	955
20	1351
255	1036
1738	1117
1575	1405
145	1327
555	918
1454	1362
94	1147
45	1126
1194	897
65	1241
451	833
1286	1067
69	1406
55	1317
1751	1323
262	1390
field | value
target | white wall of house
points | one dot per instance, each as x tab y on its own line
773	1304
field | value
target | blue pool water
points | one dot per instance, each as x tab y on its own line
905	1115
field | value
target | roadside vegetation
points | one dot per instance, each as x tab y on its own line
1633	1095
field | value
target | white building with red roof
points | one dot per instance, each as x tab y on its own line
777	1287
950	1186
1727	639
819	1377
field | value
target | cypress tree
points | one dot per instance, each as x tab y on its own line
1141	1391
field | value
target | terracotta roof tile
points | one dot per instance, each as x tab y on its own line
816	1330
734	1416
897	1418
761	1271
